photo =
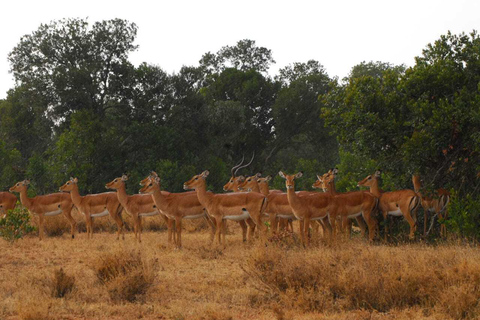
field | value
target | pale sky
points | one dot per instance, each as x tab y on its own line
338	34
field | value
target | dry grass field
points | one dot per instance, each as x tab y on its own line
61	278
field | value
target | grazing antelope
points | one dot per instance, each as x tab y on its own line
175	206
395	203
95	205
137	205
436	204
232	185
47	205
306	208
7	203
231	206
360	205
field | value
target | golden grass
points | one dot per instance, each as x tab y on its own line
274	280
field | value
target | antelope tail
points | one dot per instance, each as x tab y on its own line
414	203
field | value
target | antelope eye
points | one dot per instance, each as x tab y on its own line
369	178
196	178
150	185
68	182
115	180
18	184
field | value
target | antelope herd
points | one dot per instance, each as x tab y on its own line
251	204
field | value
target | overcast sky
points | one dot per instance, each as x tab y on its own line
338	34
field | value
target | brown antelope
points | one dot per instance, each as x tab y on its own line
7	202
232	185
436	204
277	205
137	205
95	205
170	223
360	205
395	203
306	208
176	206
230	206
47	205
327	184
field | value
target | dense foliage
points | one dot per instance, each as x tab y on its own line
15	224
80	108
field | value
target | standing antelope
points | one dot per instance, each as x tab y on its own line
437	204
95	205
232	206
232	185
306	208
7	203
137	205
394	203
47	205
360	205
176	206
278	206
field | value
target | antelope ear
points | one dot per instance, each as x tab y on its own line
281	174
26	182
378	173
241	178
157	180
205	174
154	174
335	171
319	177
268	178
75	180
258	175
124	177
298	175
71	179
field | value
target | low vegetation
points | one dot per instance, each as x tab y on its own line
62	278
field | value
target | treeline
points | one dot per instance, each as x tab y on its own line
80	108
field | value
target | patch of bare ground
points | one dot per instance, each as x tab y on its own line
104	278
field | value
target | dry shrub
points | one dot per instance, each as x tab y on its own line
285	239
208	253
61	284
357	276
127	275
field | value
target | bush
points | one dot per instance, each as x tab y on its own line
464	215
16	224
126	275
61	284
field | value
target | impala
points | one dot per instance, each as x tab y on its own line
137	205
47	205
394	203
277	205
436	204
232	206
95	205
176	206
232	185
7	202
360	205
306	208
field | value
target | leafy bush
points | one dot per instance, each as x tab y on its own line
16	224
464	215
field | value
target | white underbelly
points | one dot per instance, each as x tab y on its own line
196	216
154	213
244	216
53	213
317	218
355	215
100	214
397	213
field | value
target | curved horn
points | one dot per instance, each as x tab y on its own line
236	166
253	156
